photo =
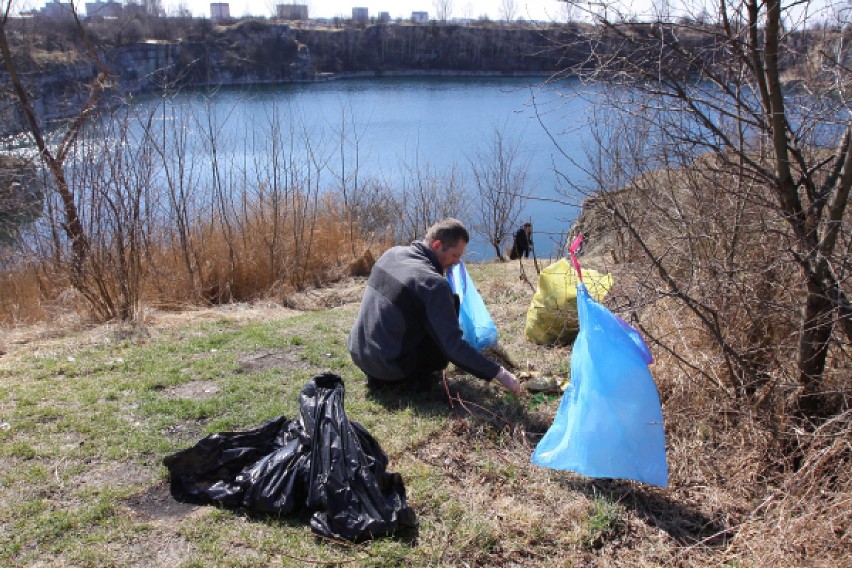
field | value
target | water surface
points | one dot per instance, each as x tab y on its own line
419	123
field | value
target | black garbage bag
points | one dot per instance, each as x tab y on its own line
321	463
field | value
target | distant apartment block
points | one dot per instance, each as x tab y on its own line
420	17
384	17
57	10
360	15
99	9
220	11
291	11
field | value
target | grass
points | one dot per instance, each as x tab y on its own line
93	410
91	421
603	522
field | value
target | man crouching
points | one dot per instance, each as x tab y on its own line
407	328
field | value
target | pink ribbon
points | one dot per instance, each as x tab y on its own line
572	249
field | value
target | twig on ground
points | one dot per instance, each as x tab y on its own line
464	404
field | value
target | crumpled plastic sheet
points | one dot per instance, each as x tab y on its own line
322	463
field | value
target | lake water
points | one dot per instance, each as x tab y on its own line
439	122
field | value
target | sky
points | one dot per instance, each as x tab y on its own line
527	9
542	10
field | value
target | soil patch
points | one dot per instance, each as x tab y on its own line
162	549
264	359
237	313
157	504
195	390
112	474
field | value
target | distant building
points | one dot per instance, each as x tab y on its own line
384	17
419	17
360	15
291	11
220	11
57	10
153	7
100	9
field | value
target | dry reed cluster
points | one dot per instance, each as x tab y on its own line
242	265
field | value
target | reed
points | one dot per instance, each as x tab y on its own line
30	289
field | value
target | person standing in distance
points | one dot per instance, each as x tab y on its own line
407	328
523	242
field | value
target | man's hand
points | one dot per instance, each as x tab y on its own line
508	381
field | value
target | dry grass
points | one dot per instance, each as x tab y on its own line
734	499
728	479
743	491
246	264
734	495
777	487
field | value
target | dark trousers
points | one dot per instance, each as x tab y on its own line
519	251
429	359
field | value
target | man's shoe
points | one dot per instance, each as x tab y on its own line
424	383
375	384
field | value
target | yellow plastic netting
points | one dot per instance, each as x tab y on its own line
552	316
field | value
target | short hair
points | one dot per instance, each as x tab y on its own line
527	224
449	231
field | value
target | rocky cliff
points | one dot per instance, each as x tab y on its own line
262	52
195	53
254	51
392	48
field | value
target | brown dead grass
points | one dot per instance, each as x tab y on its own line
736	491
777	488
285	261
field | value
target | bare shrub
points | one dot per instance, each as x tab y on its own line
721	193
377	211
499	173
747	237
86	280
165	231
427	197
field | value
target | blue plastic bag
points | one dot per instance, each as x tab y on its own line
609	422
477	326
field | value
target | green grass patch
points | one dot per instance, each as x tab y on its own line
89	426
605	520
